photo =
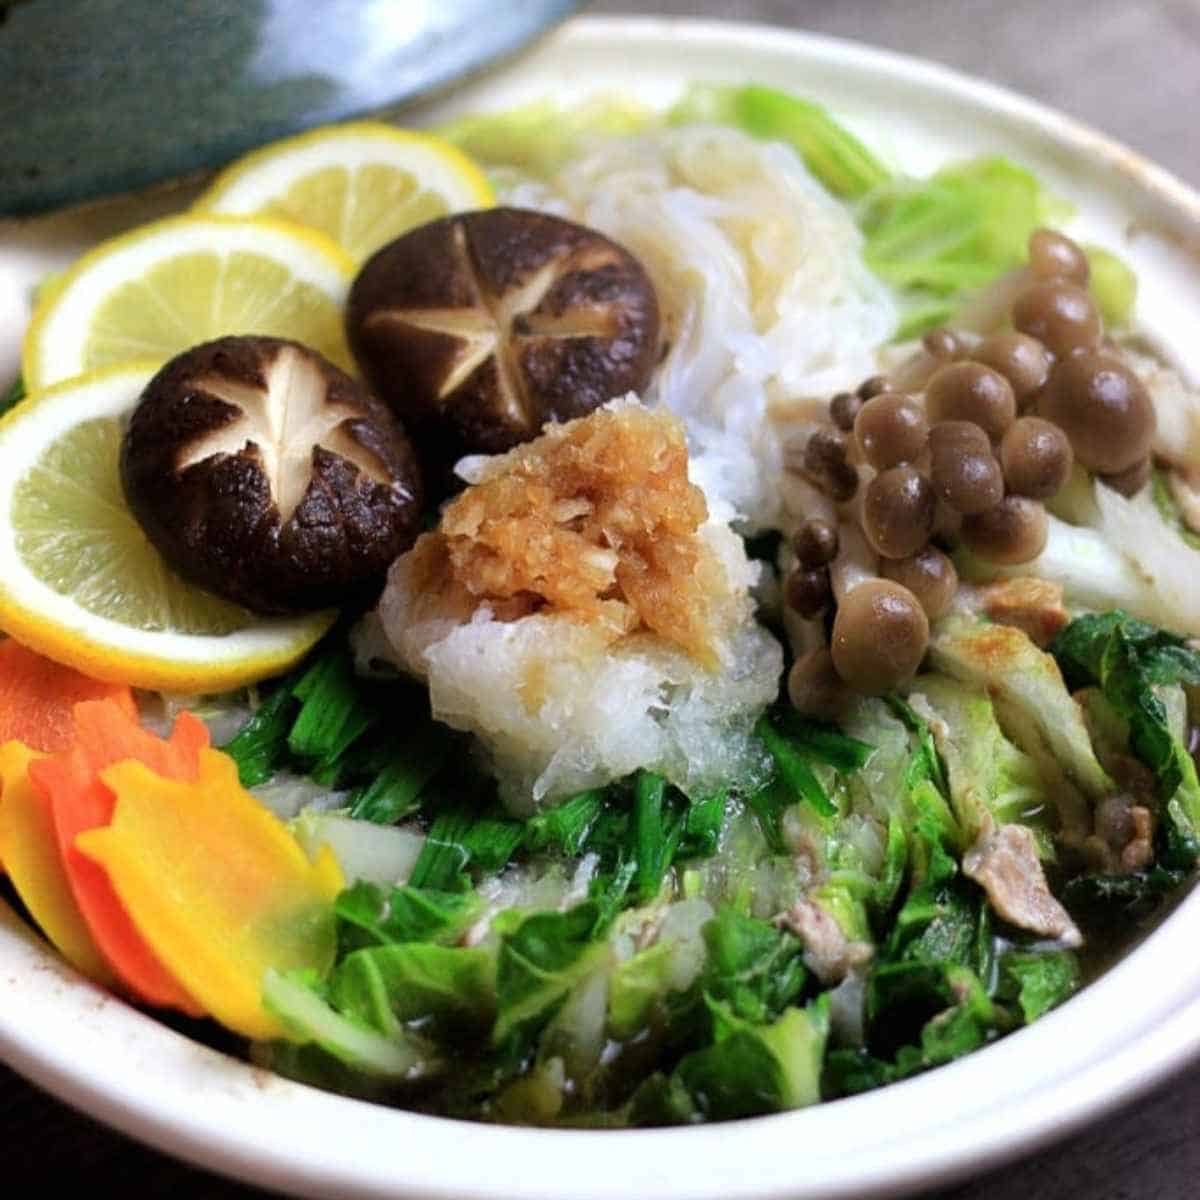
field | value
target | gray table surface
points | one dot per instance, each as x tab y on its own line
1132	70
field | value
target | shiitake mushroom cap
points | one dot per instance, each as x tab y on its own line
264	474
480	327
880	635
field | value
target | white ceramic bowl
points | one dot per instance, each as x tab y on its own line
1120	1035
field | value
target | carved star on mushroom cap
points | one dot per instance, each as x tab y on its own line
284	420
496	324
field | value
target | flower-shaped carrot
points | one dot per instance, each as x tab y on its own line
217	886
30	851
69	782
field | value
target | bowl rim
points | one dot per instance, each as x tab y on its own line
123	1067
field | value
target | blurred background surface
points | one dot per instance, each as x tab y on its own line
1132	69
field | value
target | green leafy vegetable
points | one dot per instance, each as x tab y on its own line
444	857
1113	285
938	239
461	835
991	781
829	150
754	968
794	771
300	1004
370	916
566	827
1037	982
1027	687
385	987
926	763
702	825
948	1008
751	1069
656	835
1116	900
395	791
541	958
824	743
334	713
1132	663
260	747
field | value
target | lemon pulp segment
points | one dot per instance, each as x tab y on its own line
192	298
361	209
74	532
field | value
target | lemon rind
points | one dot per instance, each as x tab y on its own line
245	187
52	351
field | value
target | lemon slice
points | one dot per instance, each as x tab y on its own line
80	583
171	284
363	184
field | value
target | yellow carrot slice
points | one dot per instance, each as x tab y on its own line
29	849
217	886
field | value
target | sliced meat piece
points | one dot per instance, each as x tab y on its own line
1138	852
1005	864
828	953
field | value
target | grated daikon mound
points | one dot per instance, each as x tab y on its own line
567	676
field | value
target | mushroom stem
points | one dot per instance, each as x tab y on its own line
989	307
855	563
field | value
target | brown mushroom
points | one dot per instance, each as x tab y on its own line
815	688
827	464
263	473
1059	314
929	575
808	591
891	428
1012	532
844	409
873	386
963	470
815	543
1130	481
880	635
969	391
1036	457
942	343
479	328
1103	408
1021	359
898	512
1054	255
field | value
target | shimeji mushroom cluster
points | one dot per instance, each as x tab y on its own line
968	455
